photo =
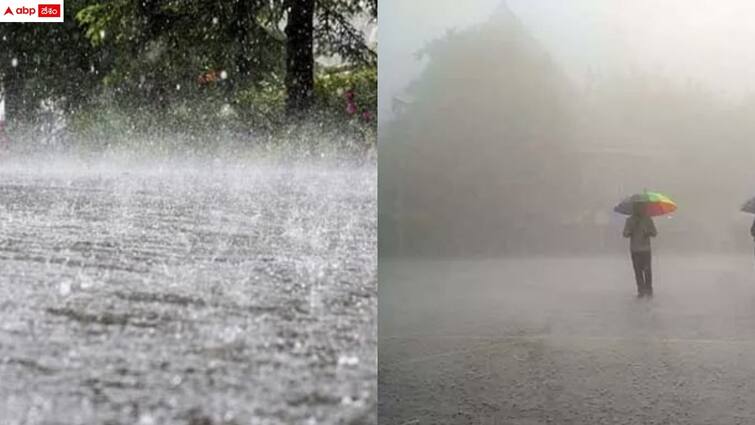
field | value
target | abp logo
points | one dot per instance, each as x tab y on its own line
31	11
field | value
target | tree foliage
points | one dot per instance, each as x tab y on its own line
156	54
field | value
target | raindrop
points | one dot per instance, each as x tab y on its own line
215	20
226	110
86	282
223	75
102	34
348	360
64	288
146	420
14	62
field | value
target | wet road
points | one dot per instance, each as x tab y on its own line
187	294
564	341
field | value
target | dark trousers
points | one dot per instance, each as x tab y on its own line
643	272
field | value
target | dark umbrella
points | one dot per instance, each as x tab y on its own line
749	206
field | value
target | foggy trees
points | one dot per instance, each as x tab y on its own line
478	160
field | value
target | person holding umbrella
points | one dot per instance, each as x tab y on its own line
639	228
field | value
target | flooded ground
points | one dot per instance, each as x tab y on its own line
565	341
187	294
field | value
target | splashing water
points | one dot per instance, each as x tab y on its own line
174	292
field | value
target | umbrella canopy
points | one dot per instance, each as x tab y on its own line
749	206
653	203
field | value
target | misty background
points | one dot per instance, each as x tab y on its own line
514	127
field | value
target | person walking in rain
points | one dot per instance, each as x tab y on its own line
639	228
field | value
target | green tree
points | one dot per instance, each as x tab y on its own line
165	43
182	61
328	25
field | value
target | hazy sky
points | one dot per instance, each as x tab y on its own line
709	41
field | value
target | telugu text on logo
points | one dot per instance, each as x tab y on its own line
49	11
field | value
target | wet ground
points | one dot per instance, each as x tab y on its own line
565	341
187	294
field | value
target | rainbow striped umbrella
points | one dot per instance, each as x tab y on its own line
654	203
